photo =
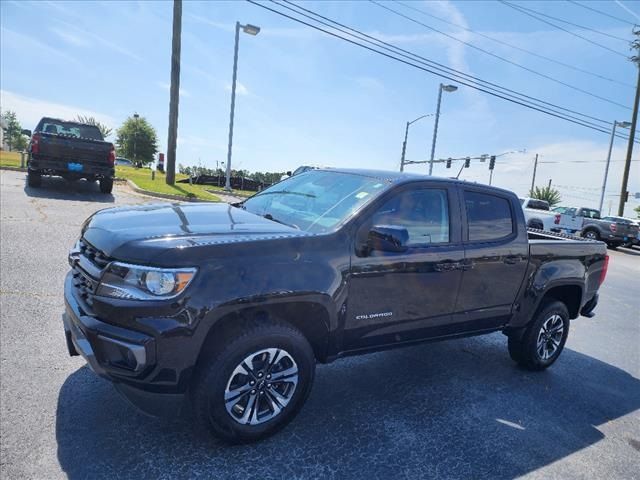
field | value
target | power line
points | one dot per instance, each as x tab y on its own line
573	24
448	76
530	70
506	44
601	12
519	9
433	64
438	66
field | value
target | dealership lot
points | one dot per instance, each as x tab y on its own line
459	409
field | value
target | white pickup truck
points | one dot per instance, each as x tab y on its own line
538	214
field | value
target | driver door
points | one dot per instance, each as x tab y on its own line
398	297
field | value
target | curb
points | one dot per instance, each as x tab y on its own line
15	169
166	196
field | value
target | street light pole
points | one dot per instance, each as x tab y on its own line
135	139
606	168
533	179
251	30
404	144
446	88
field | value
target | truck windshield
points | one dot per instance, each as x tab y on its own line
70	129
315	201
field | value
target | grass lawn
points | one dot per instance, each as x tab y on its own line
9	159
142	178
240	193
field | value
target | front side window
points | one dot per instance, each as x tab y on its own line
424	213
488	216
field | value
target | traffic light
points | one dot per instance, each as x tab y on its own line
449	162
467	162
492	162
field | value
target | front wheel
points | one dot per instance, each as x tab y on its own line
544	339
254	382
106	185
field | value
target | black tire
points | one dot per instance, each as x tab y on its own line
106	185
526	350
591	234
536	224
612	246
216	373
34	179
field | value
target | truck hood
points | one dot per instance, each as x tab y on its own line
142	233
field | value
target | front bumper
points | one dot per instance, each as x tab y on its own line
120	355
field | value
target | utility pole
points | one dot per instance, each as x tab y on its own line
446	88
174	94
634	118
606	168
404	147
533	180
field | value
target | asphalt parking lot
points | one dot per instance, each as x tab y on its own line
457	409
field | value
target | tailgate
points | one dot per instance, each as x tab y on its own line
80	150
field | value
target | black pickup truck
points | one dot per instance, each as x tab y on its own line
232	306
70	150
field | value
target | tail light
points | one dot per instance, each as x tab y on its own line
613	227
556	219
605	267
112	156
35	143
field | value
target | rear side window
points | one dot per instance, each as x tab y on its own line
488	216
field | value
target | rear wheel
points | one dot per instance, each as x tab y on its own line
106	185
34	179
253	382
591	235
544	339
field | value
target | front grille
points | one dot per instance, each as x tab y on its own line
87	270
84	285
95	256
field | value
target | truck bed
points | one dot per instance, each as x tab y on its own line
543	244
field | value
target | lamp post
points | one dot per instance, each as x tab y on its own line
406	133
606	168
135	139
446	88
251	30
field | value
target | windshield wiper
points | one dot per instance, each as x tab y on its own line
268	216
288	192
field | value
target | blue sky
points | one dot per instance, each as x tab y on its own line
307	98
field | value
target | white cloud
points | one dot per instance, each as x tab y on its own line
240	89
12	40
70	38
369	83
30	110
167	87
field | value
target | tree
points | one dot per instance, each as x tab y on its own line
13	132
137	140
637	210
549	194
106	131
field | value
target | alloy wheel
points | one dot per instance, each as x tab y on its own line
261	386
550	337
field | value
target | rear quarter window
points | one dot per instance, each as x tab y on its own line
489	217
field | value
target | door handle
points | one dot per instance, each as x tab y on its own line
511	259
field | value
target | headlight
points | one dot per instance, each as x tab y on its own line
135	282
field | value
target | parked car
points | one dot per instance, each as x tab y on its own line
572	219
231	306
614	231
70	150
124	162
537	213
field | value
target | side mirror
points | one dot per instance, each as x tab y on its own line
26	132
388	238
288	173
